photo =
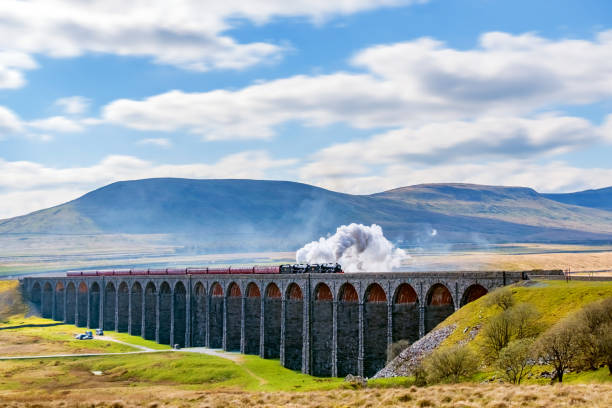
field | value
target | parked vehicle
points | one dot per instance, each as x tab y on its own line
99	332
84	336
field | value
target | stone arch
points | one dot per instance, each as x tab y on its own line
47	300
348	330
322	331
82	294
294	322
136	311
216	325
36	296
472	293
375	329
165	315
198	311
252	319
179	314
405	314
234	317
109	307
439	306
94	306
272	321
59	301
123	307
71	303
150	311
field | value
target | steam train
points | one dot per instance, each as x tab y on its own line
280	269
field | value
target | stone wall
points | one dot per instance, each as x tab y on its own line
294	322
321	333
216	322
252	323
234	320
272	327
348	338
375	337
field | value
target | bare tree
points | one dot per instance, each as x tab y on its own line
524	318
394	349
516	360
558	346
496	334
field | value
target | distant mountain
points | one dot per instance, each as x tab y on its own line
601	198
279	214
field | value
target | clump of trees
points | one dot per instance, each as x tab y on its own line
581	341
512	322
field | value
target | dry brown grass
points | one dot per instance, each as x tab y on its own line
461	395
557	258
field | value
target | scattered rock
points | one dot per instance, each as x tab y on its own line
410	358
356	380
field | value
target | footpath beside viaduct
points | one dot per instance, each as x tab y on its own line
321	324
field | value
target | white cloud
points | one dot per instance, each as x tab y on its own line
405	84
548	177
57	124
73	105
501	137
9	122
22	180
160	142
12	63
185	33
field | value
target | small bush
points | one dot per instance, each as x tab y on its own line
394	349
501	297
450	365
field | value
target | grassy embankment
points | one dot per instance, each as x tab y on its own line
188	379
554	300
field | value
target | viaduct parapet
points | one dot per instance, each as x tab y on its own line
321	324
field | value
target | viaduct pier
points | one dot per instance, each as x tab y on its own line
321	324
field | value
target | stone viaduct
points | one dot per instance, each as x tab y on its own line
321	324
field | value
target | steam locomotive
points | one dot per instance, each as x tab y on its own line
280	269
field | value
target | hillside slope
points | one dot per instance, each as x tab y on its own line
289	214
601	198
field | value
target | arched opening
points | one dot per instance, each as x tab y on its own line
71	302
322	331
59	301
439	306
294	322
252	319
180	314
81	319
472	293
375	330
123	307
136	318
405	314
94	306
234	318
36	297
150	311
272	321
165	305
216	316
47	301
109	306
348	330
198	311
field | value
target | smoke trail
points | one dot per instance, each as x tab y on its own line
357	247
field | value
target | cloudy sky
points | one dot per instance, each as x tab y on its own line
357	96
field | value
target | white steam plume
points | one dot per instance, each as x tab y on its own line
357	247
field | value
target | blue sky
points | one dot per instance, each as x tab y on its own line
357	96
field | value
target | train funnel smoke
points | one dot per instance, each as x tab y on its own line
357	247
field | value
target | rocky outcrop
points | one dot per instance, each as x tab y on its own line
404	364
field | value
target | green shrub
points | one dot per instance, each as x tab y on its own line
450	365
